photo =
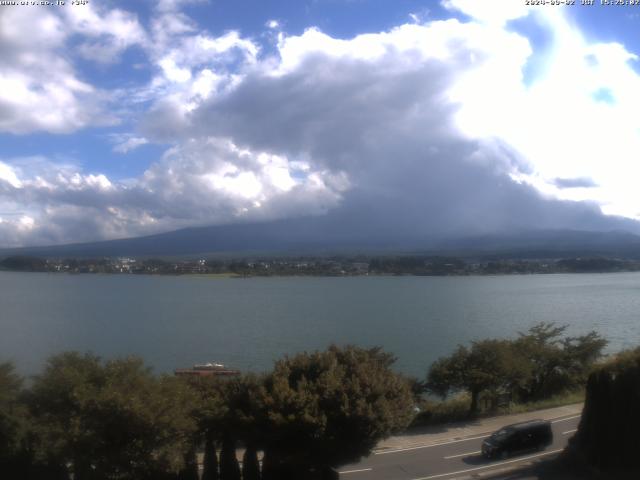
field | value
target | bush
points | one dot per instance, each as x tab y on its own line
607	436
434	412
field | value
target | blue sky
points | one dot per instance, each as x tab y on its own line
122	118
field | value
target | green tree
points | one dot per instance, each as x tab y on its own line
607	437
230	412
536	365
250	465
244	421
190	469
111	420
581	353
210	462
208	414
488	366
332	407
13	424
556	364
541	346
229	466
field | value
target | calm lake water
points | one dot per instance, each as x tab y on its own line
248	323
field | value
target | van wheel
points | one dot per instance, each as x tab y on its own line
504	455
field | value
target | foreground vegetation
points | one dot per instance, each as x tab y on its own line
115	420
100	420
456	408
607	437
536	366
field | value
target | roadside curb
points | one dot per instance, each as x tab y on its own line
460	431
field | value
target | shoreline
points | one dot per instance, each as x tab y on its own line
226	275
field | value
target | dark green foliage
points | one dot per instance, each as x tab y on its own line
244	416
115	420
47	471
24	264
210	462
208	413
607	436
229	466
14	455
489	366
229	409
594	264
190	469
12	413
535	366
275	467
250	465
270	466
408	265
111	420
556	364
332	407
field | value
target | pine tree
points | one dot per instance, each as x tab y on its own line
250	465
190	469
229	467
210	470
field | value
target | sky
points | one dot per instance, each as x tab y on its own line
443	117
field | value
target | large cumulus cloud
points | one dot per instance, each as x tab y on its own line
398	134
382	110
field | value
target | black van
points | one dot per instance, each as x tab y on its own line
519	437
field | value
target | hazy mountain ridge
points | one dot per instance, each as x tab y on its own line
318	235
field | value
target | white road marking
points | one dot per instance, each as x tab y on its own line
462	455
570	431
565	419
432	445
355	471
449	442
493	465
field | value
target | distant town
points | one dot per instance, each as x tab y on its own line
320	266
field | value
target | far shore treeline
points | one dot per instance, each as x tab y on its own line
323	266
115	419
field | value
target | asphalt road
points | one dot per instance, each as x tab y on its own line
456	458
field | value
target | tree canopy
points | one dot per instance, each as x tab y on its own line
607	437
13	418
331	407
111	419
536	365
102	420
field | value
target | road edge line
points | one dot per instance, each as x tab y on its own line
523	459
476	437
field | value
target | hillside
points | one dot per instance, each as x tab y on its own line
322	235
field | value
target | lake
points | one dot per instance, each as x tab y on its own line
247	323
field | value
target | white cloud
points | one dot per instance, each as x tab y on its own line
125	143
175	5
192	66
429	126
172	72
8	175
108	32
201	182
40	89
557	123
494	12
